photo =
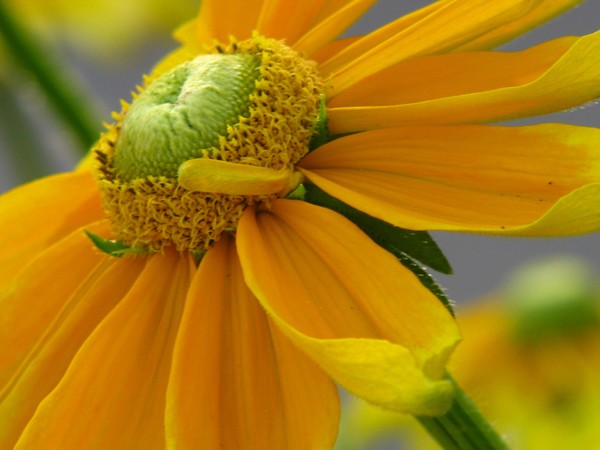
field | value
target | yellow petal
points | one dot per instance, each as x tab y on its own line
236	382
36	215
327	50
439	76
222	177
113	393
570	81
538	13
221	19
469	18
363	317
56	341
288	19
375	38
63	266
333	26
330	7
468	178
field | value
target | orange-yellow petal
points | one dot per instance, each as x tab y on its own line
54	339
333	26
365	43
327	50
469	19
220	19
439	76
36	215
43	287
570	81
288	19
237	383
537	14
350	305
113	393
468	178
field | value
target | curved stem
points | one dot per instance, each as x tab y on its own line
463	427
54	81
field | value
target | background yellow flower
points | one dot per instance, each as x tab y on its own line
530	357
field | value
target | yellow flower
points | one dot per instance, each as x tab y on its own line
540	387
208	163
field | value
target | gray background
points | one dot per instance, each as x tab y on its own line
481	264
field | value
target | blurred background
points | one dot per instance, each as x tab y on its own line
106	45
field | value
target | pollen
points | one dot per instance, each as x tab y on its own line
204	141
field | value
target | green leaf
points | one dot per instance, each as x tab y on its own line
114	248
320	127
398	241
427	280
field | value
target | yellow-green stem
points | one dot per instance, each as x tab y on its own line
463	427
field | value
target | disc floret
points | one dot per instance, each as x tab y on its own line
204	141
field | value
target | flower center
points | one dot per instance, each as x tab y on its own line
204	141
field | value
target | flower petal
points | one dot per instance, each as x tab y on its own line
439	76
288	19
219	19
570	81
333	26
236	382
363	317
57	341
469	18
538	13
327	50
115	388
377	37
43	286
29	219
467	178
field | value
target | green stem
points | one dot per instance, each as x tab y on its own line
54	81
20	140
463	427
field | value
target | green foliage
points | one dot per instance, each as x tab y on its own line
114	248
320	128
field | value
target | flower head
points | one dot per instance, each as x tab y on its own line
242	295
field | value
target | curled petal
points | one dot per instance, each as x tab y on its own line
450	75
572	79
430	35
349	304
